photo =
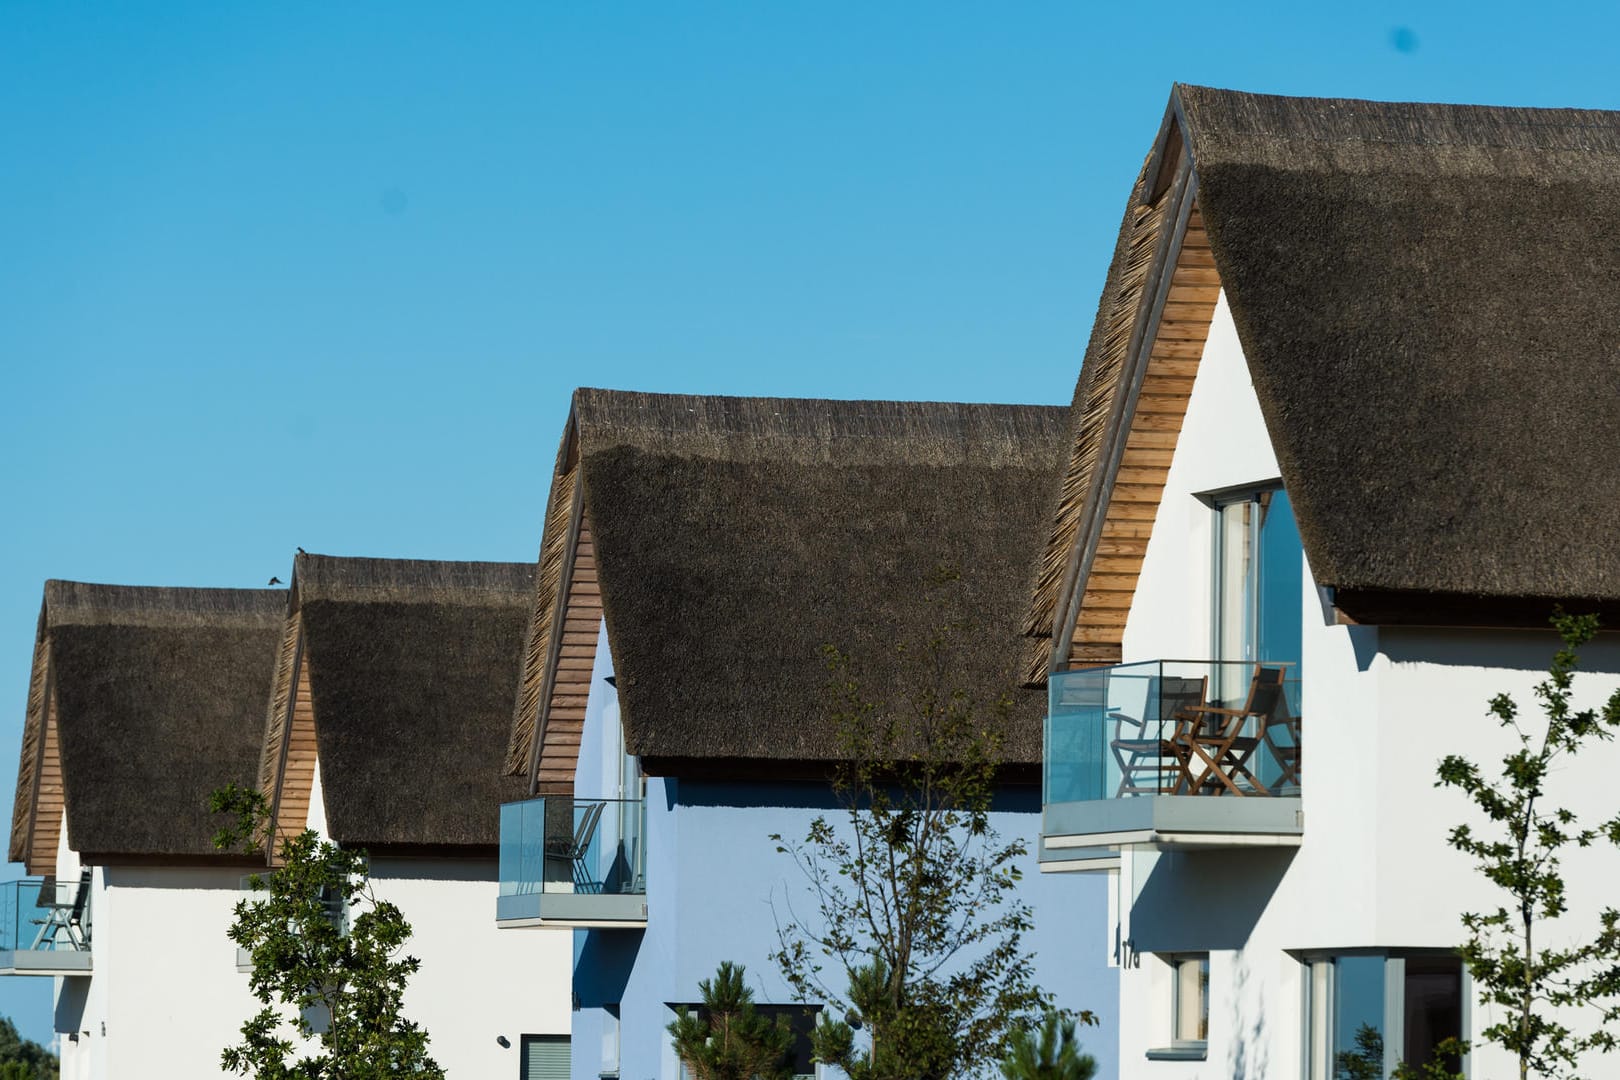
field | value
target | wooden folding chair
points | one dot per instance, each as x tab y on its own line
1218	754
1158	755
1285	754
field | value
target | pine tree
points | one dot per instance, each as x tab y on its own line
1053	1054
726	1039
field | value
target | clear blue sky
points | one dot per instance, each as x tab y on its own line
325	274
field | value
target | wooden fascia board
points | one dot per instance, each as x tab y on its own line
1183	195
559	612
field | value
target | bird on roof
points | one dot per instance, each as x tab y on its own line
275	581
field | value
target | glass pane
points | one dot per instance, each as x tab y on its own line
1433	1007
1358	1018
1282	580
1192	999
563	845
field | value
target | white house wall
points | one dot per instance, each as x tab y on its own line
163	997
476	984
1380	707
172	996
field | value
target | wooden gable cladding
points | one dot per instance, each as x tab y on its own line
36	823
1154	427
287	768
1151	417
45	830
562	720
28	764
564	514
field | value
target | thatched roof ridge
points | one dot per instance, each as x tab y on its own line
411	667
354	580
734	537
1426	298
78	603
814	430
157	698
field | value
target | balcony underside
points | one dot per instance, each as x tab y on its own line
1076	860
45	962
565	909
1189	821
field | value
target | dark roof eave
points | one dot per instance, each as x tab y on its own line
1407	607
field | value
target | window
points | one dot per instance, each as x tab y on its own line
543	1057
1192	999
1189	1008
1366	1013
1259	578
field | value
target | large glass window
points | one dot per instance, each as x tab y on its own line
1259	577
1367	1013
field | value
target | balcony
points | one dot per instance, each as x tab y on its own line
573	862
1188	753
45	927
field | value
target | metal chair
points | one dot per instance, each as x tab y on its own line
63	914
575	848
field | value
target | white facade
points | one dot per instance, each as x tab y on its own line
476	985
1373	871
165	995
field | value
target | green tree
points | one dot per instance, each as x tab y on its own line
1518	852
23	1059
917	934
327	950
727	1039
1053	1053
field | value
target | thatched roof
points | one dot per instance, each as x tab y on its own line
411	667
732	538
1428	297
157	697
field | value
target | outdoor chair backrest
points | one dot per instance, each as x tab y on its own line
80	898
1265	692
1177	695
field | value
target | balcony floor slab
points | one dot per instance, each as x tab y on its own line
566	909
1172	821
44	962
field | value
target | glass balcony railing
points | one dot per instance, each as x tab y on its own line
45	926
574	862
1172	734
